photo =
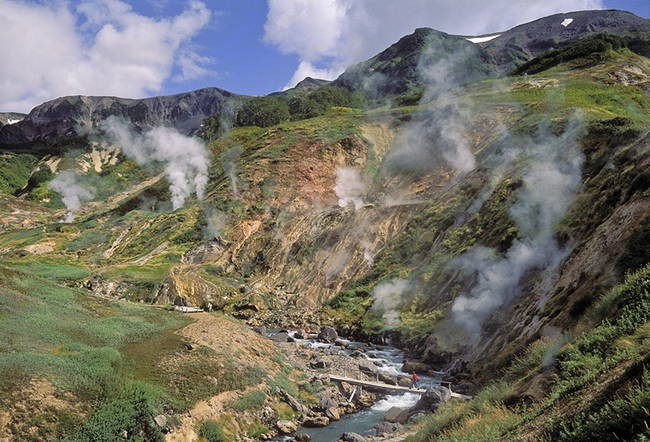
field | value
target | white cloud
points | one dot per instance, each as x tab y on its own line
311	29
338	33
306	69
99	47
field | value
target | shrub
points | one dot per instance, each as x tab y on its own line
212	431
262	112
591	50
249	401
129	418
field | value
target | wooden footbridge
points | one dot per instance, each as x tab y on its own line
387	387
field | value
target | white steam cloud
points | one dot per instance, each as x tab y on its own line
349	187
439	137
549	185
73	194
185	159
216	221
387	298
229	163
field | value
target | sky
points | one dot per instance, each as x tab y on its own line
144	48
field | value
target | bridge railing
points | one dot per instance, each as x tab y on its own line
358	374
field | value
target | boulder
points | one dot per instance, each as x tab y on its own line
414	366
386	378
318	364
300	334
397	415
404	381
260	330
160	420
434	396
286	427
302	437
333	414
327	334
325	400
367	367
384	428
281	337
297	406
316	421
352	437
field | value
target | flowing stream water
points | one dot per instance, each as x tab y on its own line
391	360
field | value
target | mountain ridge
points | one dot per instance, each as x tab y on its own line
398	70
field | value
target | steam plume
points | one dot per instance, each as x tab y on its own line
73	194
387	298
349	187
549	185
185	159
229	163
216	221
437	138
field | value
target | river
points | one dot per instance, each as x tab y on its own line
391	360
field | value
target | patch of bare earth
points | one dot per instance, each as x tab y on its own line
225	336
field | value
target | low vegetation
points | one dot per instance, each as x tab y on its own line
115	364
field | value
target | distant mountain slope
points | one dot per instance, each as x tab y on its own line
404	69
404	65
527	41
71	116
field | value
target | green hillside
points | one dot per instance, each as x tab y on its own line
493	227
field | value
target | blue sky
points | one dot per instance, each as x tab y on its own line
140	48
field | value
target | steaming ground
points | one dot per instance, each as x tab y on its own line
552	179
185	160
72	192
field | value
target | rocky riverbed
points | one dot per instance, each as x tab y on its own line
324	355
316	402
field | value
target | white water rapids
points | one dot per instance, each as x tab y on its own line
390	360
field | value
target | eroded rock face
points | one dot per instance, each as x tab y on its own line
72	116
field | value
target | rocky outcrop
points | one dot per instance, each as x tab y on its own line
76	115
431	400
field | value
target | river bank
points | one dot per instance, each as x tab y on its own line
356	410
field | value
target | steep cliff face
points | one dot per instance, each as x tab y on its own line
78	115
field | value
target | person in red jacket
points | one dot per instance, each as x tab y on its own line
414	383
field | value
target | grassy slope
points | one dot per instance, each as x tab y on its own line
96	352
615	117
112	365
594	388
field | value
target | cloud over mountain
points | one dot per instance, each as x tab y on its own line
328	36
100	47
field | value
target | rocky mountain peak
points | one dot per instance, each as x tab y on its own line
74	115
